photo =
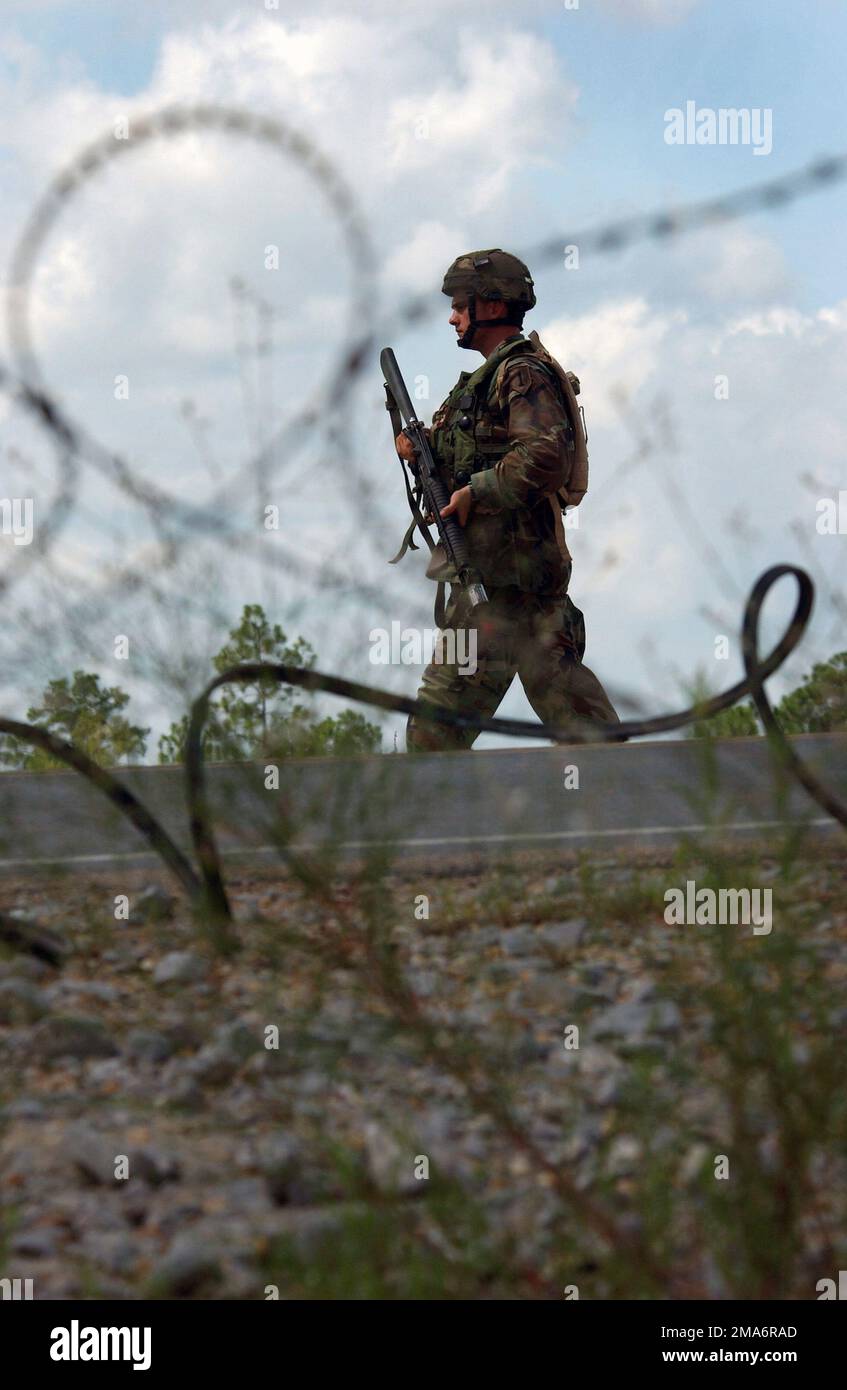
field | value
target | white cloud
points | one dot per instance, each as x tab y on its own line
782	322
62	284
736	265
135	280
659	529
613	348
417	264
500	102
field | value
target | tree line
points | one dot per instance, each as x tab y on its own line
818	705
262	719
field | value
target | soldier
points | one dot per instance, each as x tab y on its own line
510	451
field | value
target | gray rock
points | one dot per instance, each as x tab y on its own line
529	1049
247	1196
642	990
93	1156
213	1066
113	1073
390	1166
111	1250
87	989
311	1083
174	1221
24	968
146	1045
599	979
184	1033
623	1157
423	982
486	936
239	1039
21	930
478	1014
184	1094
576	1146
563	936
633	1021
603	1072
287	1176
769	1153
37	1244
154	904
498	972
21	1002
339	1010
311	1229
70	1035
521	941
665	1017
240	1280
153	1166
26	1108
180	968
186	1269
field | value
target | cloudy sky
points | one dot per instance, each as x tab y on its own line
218	277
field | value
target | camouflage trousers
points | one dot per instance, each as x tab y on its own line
538	638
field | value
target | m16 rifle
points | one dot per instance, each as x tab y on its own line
430	487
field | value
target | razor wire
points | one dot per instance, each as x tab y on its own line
357	351
75	445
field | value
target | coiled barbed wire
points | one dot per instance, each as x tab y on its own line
117	792
30	388
214	901
206	889
358	348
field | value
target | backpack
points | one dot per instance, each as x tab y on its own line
572	495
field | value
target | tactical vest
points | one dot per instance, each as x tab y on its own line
468	432
524	547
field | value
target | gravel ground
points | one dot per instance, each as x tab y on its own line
381	1096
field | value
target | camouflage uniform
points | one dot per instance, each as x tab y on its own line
504	430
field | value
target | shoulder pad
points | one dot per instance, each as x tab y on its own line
517	379
520	374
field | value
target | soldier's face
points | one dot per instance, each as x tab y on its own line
485	309
460	315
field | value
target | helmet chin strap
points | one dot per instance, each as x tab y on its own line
467	337
466	340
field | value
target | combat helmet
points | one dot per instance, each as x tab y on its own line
491	274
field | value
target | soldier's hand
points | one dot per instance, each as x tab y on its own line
405	447
459	505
